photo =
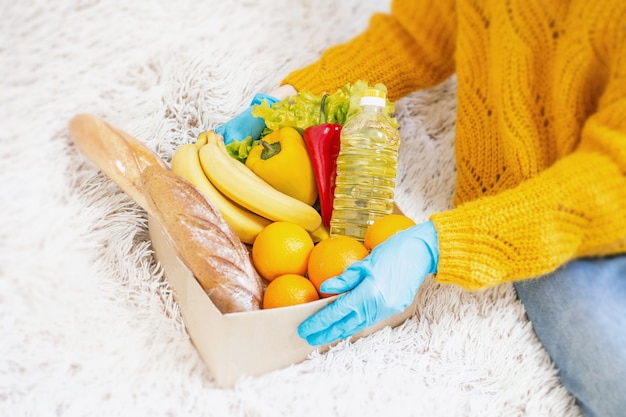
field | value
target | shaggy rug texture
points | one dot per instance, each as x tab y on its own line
89	323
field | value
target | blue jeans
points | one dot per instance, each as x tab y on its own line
579	314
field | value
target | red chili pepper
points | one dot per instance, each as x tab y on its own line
322	141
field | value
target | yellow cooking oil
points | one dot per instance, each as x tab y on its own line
366	168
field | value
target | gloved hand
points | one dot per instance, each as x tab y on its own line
245	124
381	285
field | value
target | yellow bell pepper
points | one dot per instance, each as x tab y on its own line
282	160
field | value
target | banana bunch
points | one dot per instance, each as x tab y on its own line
246	202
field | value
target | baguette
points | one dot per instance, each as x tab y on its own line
203	241
199	234
119	155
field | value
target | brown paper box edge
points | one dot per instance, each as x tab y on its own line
247	343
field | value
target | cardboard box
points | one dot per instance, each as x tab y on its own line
245	343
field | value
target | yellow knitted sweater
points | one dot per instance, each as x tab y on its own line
540	127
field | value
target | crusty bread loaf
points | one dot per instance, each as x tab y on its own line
203	241
201	237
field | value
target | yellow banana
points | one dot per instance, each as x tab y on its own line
186	163
320	234
240	184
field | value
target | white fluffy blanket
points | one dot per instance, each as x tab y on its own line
89	325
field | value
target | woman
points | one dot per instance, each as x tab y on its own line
541	172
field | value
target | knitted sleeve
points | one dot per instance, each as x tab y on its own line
575	208
409	49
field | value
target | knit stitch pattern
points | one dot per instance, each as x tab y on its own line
540	130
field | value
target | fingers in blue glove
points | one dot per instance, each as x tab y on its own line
379	286
349	279
245	124
336	321
260	97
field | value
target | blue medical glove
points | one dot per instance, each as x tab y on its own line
245	124
379	286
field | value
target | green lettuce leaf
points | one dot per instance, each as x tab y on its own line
303	109
239	149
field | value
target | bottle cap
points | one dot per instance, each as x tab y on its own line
373	97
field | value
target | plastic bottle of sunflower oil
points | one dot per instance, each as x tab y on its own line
366	168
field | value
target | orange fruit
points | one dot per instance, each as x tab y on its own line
281	248
331	256
287	290
384	228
